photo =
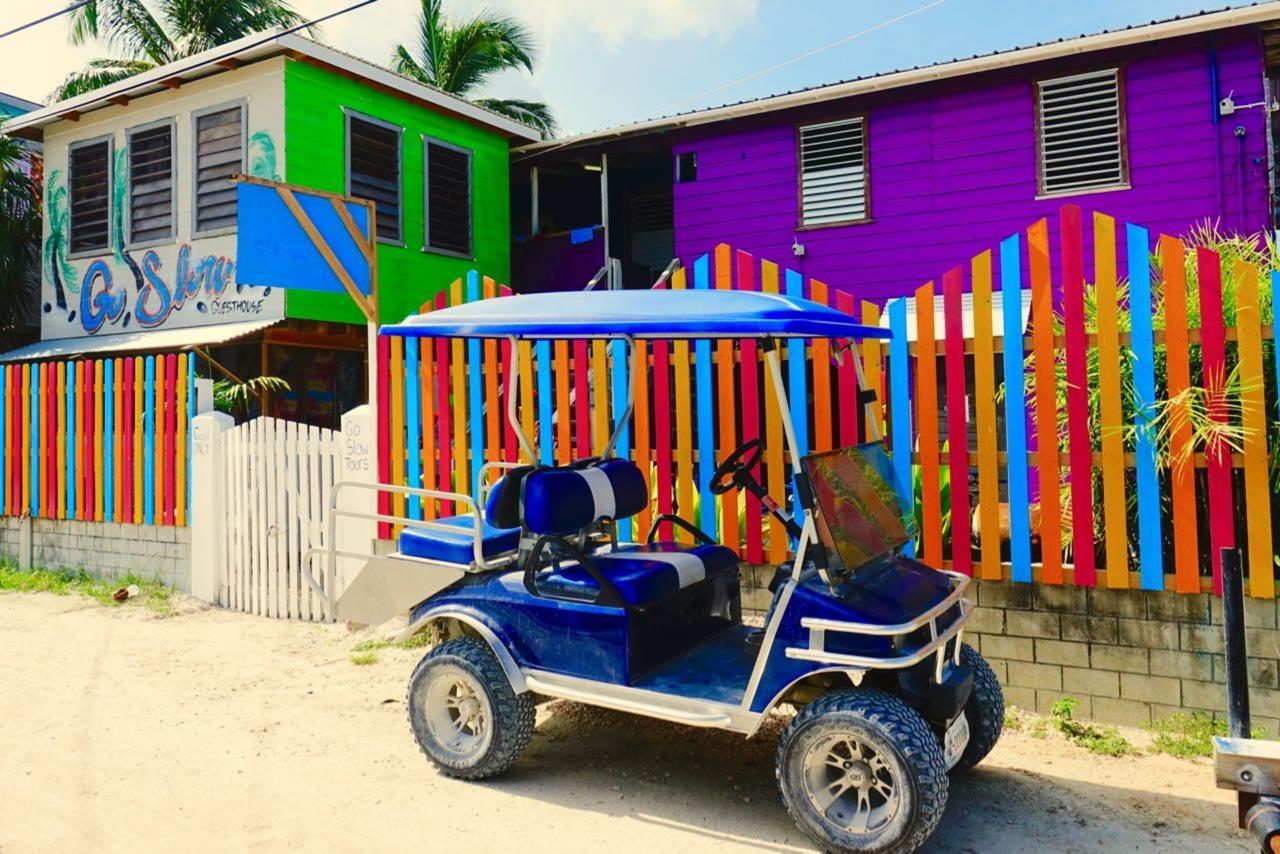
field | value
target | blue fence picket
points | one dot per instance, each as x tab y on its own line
71	443
704	394
900	408
546	401
798	393
108	440
148	442
1150	548
412	425
619	380
1015	409
34	441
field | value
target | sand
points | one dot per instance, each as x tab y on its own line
121	730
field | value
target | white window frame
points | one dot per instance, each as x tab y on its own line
243	104
863	121
172	123
427	142
110	140
347	115
1122	183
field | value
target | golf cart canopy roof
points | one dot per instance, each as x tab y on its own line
638	314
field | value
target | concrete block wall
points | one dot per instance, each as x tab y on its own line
1126	656
103	549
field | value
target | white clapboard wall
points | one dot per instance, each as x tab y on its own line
276	480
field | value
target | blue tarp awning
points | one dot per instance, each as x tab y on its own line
638	314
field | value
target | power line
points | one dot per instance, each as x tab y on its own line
48	17
880	26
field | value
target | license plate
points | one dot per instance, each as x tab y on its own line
956	741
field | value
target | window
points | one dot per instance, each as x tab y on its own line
219	155
373	171
448	197
1081	132
89	191
151	183
686	167
833	172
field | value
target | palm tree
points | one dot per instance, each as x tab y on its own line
143	40
19	234
457	57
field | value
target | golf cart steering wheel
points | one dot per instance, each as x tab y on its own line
736	470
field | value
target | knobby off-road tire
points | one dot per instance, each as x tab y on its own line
466	719
984	710
876	760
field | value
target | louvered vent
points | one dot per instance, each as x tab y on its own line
375	172
448	198
833	178
151	184
90	196
1080	132
219	155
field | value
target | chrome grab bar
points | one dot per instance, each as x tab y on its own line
816	650
666	274
595	280
332	552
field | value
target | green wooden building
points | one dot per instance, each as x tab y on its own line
140	220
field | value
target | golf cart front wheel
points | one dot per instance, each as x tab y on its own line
984	710
463	713
861	771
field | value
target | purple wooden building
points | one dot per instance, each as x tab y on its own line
878	184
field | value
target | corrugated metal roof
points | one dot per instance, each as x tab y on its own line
1204	20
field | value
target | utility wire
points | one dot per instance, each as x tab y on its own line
880	26
48	17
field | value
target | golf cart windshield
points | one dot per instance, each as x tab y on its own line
859	519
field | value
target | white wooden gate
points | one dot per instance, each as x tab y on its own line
276	479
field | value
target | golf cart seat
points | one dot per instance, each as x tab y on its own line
499	527
564	501
643	574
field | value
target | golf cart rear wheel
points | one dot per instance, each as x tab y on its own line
861	771
463	713
984	710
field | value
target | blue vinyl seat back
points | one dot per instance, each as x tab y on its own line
642	574
458	546
566	500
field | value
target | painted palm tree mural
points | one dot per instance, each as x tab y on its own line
142	40
459	56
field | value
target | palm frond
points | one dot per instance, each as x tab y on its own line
431	35
126	26
99	73
198	25
532	113
479	48
403	63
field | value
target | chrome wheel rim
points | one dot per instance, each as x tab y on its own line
850	784
457	714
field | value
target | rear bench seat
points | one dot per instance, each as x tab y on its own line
499	528
563	501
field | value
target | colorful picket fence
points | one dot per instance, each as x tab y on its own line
101	440
1052	502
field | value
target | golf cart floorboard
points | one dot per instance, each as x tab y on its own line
716	670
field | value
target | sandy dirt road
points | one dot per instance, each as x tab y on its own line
210	730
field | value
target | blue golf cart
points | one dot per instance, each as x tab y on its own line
530	595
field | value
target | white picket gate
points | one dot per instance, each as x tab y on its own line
276	481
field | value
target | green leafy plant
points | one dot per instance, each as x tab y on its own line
1103	740
19	233
236	396
153	594
459	56
418	641
1189	735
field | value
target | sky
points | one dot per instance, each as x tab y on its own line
606	62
